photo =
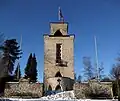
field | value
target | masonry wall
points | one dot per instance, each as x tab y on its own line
50	68
23	88
80	89
65	66
65	83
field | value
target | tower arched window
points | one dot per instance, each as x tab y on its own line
58	88
58	52
58	74
50	88
58	33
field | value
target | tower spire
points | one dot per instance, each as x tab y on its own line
60	15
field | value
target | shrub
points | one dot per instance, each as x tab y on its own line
97	91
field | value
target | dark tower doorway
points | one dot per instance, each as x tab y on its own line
58	88
49	88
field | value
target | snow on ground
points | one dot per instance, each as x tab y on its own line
63	96
66	95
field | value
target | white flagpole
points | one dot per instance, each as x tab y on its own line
96	55
21	42
18	60
59	10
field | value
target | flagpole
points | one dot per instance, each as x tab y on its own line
96	56
18	59
21	42
60	15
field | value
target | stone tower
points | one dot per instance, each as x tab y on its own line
58	58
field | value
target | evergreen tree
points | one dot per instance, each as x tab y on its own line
28	66
33	70
11	52
17	74
2	84
1	44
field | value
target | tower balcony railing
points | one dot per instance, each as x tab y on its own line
61	63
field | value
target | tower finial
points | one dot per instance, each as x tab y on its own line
60	16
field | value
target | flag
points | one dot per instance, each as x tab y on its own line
61	18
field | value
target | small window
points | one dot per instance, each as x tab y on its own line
50	88
58	88
58	52
58	33
58	74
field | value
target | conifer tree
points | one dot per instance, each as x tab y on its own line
33	70
1	44
11	52
17	74
28	66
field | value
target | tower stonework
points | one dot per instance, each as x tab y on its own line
58	58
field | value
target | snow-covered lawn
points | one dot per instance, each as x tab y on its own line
67	96
55	100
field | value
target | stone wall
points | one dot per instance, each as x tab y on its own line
82	89
50	66
79	89
61	26
23	88
65	83
66	65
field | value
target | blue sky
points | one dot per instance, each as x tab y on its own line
86	18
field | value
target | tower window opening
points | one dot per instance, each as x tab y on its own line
58	33
58	74
58	53
59	60
50	88
58	88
